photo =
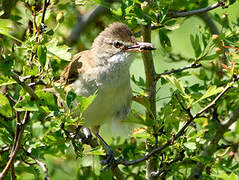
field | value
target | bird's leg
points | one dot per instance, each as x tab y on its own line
109	154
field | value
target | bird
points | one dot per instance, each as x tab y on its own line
105	68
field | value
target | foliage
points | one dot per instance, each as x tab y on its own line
192	126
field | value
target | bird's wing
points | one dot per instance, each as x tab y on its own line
71	72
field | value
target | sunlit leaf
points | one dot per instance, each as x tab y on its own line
26	104
190	145
210	92
5	107
41	54
175	82
59	51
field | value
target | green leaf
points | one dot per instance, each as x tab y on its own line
137	118
96	151
196	45
70	97
46	99
224	176
84	102
30	70
26	104
139	82
41	54
210	57
210	92
175	82
190	145
59	51
5	107
164	39
6	81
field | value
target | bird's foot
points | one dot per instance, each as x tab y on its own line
109	161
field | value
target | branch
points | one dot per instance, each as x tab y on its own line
16	146
209	22
24	86
191	66
45	6
180	133
175	14
41	164
85	21
213	102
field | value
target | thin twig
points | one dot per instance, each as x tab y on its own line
41	164
15	148
84	21
45	6
190	66
24	86
213	102
175	14
13	176
209	22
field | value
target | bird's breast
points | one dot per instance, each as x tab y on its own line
114	92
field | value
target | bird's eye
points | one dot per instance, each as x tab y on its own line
117	44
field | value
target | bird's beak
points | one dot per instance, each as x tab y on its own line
140	47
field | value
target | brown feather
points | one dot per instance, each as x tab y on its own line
76	67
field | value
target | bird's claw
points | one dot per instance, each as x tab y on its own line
109	161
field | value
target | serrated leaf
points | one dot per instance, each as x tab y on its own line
196	45
46	99
137	118
210	92
70	97
5	107
58	51
175	82
84	102
41	54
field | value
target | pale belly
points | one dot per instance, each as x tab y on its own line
111	103
114	92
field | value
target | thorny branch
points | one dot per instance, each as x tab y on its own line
180	133
191	66
175	14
